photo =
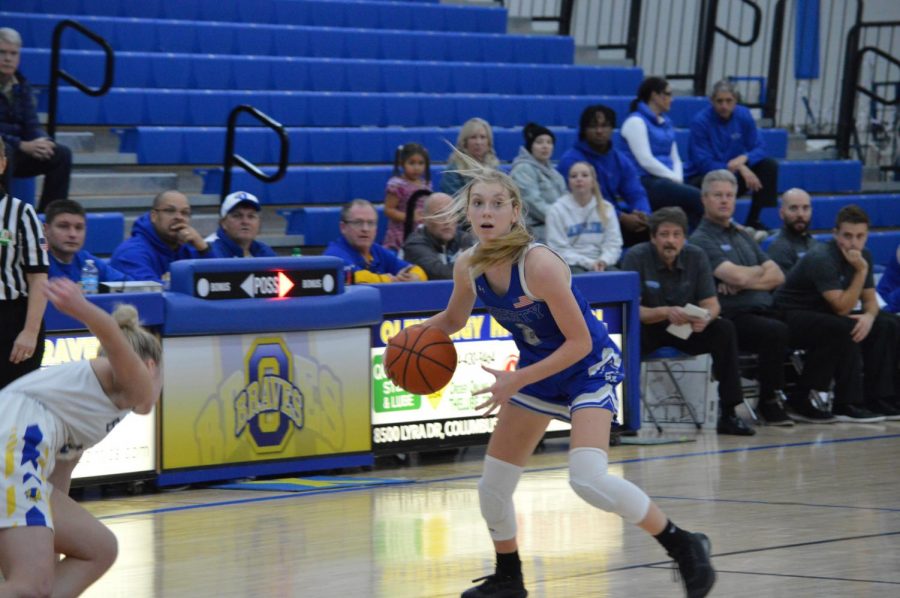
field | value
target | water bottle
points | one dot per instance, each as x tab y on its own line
90	278
296	252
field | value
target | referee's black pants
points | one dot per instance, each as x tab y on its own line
761	332
12	314
862	371
718	339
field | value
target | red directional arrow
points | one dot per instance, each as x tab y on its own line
285	285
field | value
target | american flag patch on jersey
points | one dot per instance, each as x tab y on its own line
523	301
43	243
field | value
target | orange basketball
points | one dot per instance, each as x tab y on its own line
420	359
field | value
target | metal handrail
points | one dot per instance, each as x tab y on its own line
708	27
631	39
757	25
853	57
56	72
232	158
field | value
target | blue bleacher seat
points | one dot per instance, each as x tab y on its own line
247	38
23	188
105	232
883	210
158	145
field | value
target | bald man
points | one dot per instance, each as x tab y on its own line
793	240
158	238
435	245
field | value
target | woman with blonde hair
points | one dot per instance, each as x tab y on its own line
582	226
568	369
475	142
49	418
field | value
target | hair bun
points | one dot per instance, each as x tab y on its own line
126	316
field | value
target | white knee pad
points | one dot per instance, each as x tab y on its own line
495	491
590	480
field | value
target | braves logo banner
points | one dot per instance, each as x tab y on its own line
242	398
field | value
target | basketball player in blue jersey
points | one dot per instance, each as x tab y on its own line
49	417
568	369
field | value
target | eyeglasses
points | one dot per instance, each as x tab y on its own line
170	211
362	223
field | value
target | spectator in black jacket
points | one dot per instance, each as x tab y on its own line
435	245
29	151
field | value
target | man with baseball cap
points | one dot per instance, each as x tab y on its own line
238	227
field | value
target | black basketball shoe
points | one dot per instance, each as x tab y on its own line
696	570
497	586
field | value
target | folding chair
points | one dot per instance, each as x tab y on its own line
665	356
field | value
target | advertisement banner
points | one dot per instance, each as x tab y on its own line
131	446
257	397
447	418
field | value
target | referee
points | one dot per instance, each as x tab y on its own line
23	272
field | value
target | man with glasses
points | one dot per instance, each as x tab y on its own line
368	261
238	228
618	180
160	237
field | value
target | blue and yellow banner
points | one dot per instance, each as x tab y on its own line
249	398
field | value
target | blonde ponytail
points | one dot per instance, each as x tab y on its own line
144	342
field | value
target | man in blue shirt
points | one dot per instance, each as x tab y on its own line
619	182
65	229
160	237
724	136
368	261
238	228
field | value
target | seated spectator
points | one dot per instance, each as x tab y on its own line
724	135
674	274
889	285
650	142
238	228
746	277
158	238
541	185
476	140
29	152
582	226
412	173
619	182
819	299
435	245
65	227
367	260
793	240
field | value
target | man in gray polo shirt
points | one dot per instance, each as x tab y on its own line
818	300
793	240
745	279
672	275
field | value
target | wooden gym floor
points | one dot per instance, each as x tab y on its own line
804	511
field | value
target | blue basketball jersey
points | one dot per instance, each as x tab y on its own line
537	335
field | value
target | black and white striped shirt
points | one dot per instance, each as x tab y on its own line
23	248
